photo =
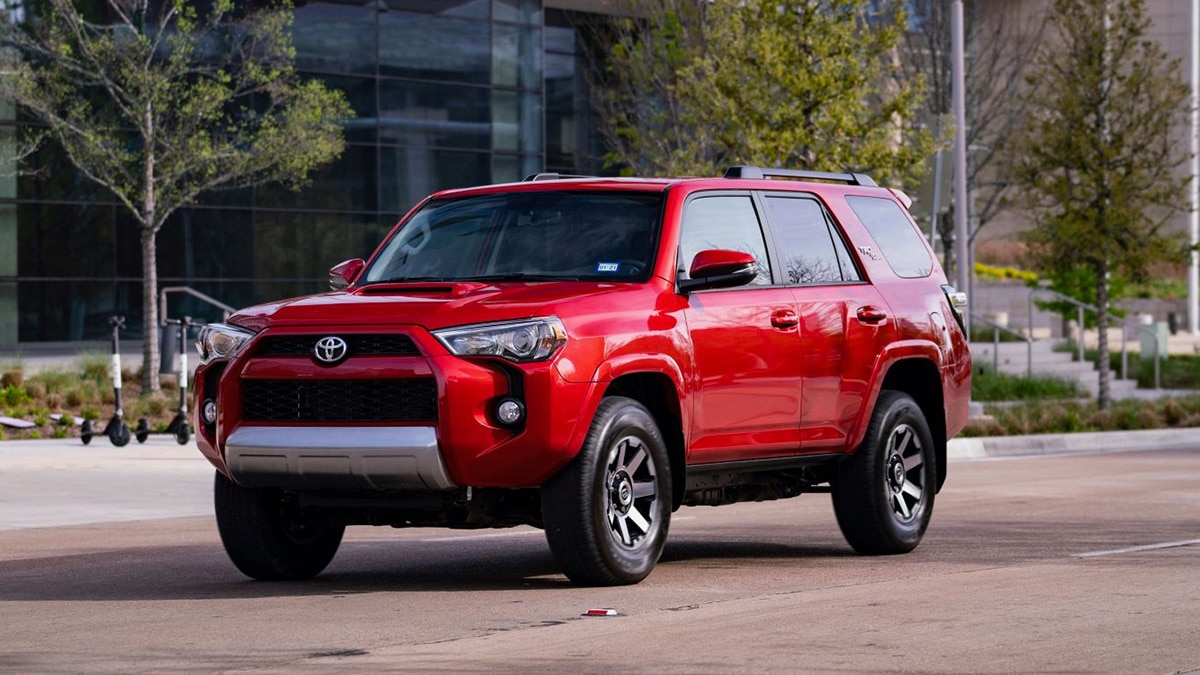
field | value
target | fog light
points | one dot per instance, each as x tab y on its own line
510	412
209	412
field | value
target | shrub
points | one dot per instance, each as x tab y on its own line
90	413
13	396
149	406
74	397
12	378
95	367
55	381
1045	418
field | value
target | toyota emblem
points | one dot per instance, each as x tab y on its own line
330	349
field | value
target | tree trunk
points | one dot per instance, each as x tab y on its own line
150	224
1103	395
150	383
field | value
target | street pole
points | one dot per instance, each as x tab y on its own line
958	74
1194	270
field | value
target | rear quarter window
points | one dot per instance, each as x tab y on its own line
899	242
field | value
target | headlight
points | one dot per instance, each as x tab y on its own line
220	341
519	341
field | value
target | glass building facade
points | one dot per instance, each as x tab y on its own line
447	93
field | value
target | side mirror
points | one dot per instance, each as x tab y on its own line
344	273
716	268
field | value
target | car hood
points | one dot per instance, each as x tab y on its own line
431	305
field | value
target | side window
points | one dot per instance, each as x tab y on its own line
899	242
725	222
812	252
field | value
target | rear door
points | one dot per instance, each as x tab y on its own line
844	322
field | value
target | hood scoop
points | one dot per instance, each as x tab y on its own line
450	289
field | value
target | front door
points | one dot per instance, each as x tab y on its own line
746	342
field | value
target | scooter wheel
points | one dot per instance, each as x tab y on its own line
142	431
183	434
119	435
85	432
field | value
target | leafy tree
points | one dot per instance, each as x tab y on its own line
161	101
690	88
1097	161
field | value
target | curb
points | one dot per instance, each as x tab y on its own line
1067	444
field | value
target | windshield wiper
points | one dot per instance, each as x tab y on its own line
519	276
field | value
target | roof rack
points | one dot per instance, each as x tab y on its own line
551	176
759	173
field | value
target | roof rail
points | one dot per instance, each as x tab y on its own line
551	176
759	173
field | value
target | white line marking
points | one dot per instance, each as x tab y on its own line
1135	549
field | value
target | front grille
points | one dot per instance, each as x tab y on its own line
406	400
363	345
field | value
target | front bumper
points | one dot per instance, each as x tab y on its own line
377	458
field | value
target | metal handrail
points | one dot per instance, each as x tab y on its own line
162	301
1125	323
996	328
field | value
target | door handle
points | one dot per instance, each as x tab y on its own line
871	314
784	319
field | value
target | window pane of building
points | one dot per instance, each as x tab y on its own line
334	38
516	56
408	174
431	47
429	114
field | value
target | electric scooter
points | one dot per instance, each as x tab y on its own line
117	431
179	426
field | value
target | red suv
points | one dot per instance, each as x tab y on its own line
586	355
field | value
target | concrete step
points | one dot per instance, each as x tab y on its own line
1014	358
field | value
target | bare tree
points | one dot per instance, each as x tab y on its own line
1001	38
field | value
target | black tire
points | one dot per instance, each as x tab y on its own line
119	434
607	513
883	494
183	433
142	432
85	432
268	541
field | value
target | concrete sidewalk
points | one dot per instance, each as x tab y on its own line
54	483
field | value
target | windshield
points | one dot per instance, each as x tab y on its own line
584	236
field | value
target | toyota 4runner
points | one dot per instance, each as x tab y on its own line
587	355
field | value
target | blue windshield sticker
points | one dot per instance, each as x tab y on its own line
607	267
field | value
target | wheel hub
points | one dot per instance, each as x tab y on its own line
895	473
621	491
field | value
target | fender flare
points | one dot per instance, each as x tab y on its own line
627	364
891	355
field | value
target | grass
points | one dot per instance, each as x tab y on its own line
988	385
83	395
